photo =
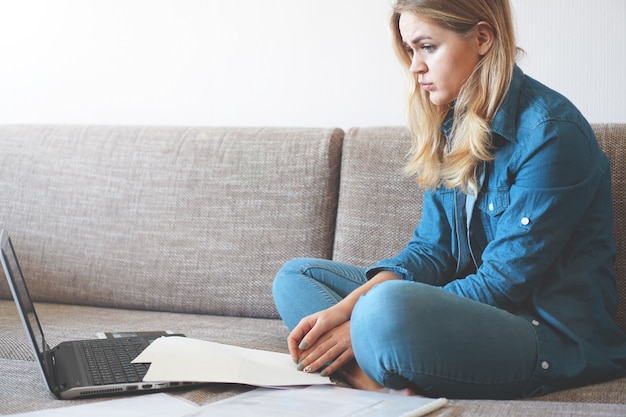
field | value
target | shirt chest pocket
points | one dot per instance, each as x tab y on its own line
491	205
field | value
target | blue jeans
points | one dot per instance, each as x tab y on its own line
411	335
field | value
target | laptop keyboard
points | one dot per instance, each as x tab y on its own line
109	360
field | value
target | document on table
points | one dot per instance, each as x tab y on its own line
316	401
150	405
176	358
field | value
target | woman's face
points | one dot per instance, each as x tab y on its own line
442	59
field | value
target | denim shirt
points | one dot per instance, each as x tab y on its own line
536	240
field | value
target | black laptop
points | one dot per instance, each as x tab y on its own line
81	368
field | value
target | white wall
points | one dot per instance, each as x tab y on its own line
266	62
577	47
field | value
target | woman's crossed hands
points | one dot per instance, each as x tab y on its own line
322	341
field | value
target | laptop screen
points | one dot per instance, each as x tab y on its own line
22	298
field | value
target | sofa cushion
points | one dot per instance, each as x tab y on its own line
166	218
379	207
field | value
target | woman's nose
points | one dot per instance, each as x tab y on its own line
417	65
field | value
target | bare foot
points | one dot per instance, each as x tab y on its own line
356	378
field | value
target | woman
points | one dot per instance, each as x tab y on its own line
506	289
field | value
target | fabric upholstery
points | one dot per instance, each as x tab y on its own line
174	219
612	139
378	206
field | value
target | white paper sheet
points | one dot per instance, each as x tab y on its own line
316	401
150	405
185	359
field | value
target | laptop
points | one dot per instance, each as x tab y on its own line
81	368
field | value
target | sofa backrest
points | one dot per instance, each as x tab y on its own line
612	139
175	219
379	207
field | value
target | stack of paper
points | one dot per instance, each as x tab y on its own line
185	359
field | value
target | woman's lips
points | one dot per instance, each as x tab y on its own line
427	86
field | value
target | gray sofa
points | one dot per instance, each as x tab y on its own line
183	228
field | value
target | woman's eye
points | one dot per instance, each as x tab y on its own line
429	48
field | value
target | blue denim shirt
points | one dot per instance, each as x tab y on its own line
537	239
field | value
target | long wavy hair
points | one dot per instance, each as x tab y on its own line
432	160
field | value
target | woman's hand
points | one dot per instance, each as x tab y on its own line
324	337
321	338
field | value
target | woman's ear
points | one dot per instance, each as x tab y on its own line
485	37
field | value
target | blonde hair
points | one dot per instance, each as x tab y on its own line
457	165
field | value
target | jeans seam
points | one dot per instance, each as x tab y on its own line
324	290
308	267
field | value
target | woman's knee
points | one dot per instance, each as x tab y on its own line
389	304
330	278
304	286
287	279
295	266
377	320
288	273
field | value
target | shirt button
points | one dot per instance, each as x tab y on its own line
535	323
490	206
545	365
525	221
